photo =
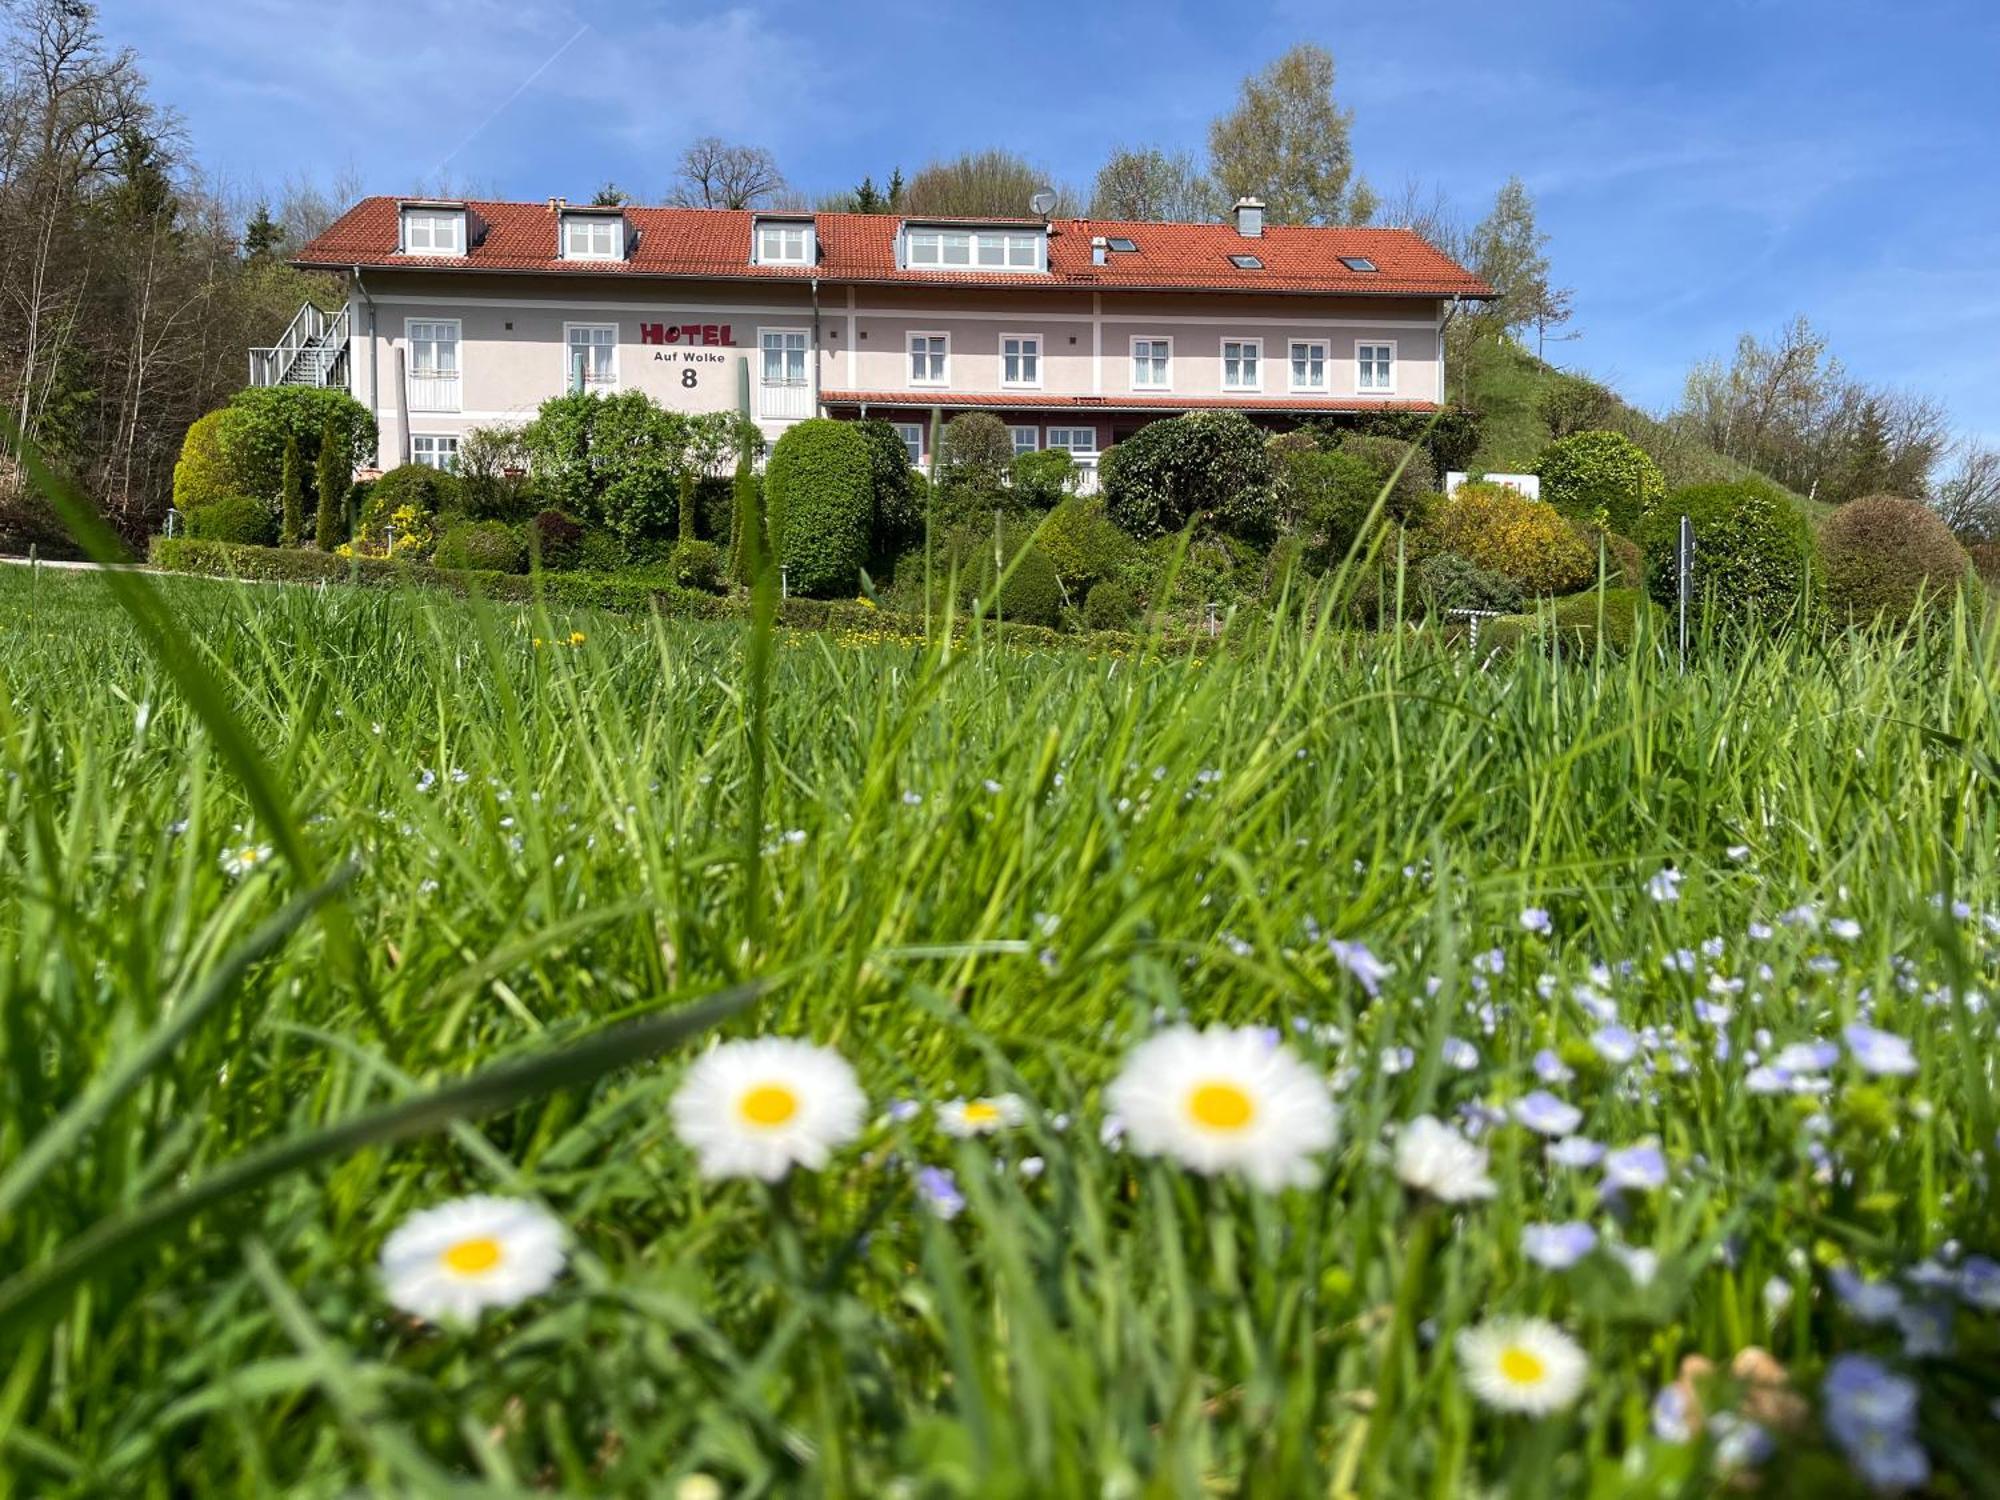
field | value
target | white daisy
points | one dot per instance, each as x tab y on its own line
969	1117
760	1108
447	1264
1522	1364
241	860
1435	1159
1224	1100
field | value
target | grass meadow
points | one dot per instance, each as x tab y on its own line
322	908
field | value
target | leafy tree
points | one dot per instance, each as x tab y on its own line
615	460
253	441
333	478
978	452
1969	500
1147	183
716	174
1287	143
611	195
995	182
1509	252
1206	465
291	496
687	505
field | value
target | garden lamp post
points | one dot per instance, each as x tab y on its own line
174	520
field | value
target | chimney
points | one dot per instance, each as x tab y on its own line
557	205
1249	214
1099	251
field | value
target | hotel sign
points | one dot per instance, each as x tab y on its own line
711	335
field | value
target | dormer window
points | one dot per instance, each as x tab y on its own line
593	236
429	230
945	249
785	242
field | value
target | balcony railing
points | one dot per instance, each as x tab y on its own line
434	390
784	400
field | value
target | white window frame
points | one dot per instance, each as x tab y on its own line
804	352
918	239
614	227
1256	345
1030	350
1034	437
943	377
457	376
432	217
609	382
1062	438
808	247
437	440
1325	363
1374	390
1132	366
912	434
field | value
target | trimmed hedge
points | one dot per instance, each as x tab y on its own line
819	496
1753	549
204	473
239	518
899	500
1504	532
1884	554
1030	592
252	440
482	546
1602	479
1109	606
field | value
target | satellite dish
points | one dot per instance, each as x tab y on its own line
1043	201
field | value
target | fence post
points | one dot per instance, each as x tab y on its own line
1684	578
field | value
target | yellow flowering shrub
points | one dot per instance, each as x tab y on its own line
1526	540
404	534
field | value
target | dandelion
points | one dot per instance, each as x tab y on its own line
970	1117
240	861
1545	1114
1879	1052
759	1108
1225	1100
450	1263
1557	1247
1522	1364
1433	1158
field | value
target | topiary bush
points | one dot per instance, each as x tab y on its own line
697	565
488	546
1623	563
1607	617
418	487
1753	549
1884	556
1601	478
205	472
1109	606
253	440
1030	593
554	538
1043	480
243	519
1328	496
1446	581
899	508
1207	465
1383	454
974	462
1499	530
819	498
1082	542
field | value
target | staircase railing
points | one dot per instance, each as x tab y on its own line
307	353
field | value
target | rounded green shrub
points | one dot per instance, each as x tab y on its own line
1082	542
1608	616
1446	581
1383	455
1753	549
237	518
1030	593
1043	480
487	546
1885	555
253	440
1601	478
428	491
899	508
697	565
1327	497
1207	464
819	496
1109	606
205	473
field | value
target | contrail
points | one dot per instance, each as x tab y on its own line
501	107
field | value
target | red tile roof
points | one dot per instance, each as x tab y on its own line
715	243
1036	401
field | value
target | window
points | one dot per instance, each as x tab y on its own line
1308	365
1242	364
966	249
1152	364
912	434
1375	367
433	363
434	452
784	244
1078	442
1021	359
1246	262
595	347
593	237
784	356
1123	244
1026	439
1359	263
928	353
433	231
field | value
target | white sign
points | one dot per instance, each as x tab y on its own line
1528	486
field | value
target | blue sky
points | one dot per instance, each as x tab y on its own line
1702	168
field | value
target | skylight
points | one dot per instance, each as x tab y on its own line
1123	244
1246	262
1358	263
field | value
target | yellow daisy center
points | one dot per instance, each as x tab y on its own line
1521	1366
981	1112
769	1104
473	1256
1221	1106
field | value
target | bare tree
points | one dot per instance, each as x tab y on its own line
995	183
1147	183
715	174
1969	499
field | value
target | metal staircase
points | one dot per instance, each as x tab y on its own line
312	351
